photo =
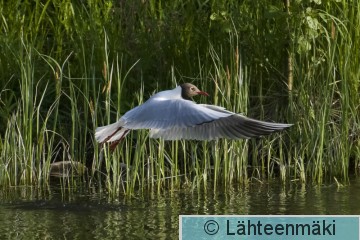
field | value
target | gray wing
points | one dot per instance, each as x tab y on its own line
172	113
235	126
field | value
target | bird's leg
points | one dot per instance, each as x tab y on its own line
115	143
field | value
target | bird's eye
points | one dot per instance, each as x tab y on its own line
192	89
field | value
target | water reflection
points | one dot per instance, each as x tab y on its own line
26	213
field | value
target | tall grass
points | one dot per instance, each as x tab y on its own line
70	67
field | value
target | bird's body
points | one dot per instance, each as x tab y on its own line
171	115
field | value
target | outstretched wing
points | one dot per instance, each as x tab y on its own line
235	126
172	113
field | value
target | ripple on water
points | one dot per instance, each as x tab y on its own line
27	214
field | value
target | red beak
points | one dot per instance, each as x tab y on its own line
203	93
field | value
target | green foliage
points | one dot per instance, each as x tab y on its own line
70	66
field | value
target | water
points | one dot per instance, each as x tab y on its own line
26	214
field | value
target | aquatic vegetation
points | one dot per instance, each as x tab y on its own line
69	67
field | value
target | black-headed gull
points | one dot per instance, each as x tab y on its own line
172	115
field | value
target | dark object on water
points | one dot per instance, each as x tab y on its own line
67	169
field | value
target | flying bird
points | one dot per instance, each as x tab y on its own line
172	115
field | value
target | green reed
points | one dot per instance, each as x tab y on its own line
71	67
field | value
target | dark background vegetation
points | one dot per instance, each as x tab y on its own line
300	62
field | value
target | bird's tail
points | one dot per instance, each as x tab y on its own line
111	133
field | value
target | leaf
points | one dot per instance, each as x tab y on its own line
303	45
214	17
318	2
313	23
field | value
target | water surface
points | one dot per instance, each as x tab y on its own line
26	214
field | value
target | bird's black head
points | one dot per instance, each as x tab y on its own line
189	90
